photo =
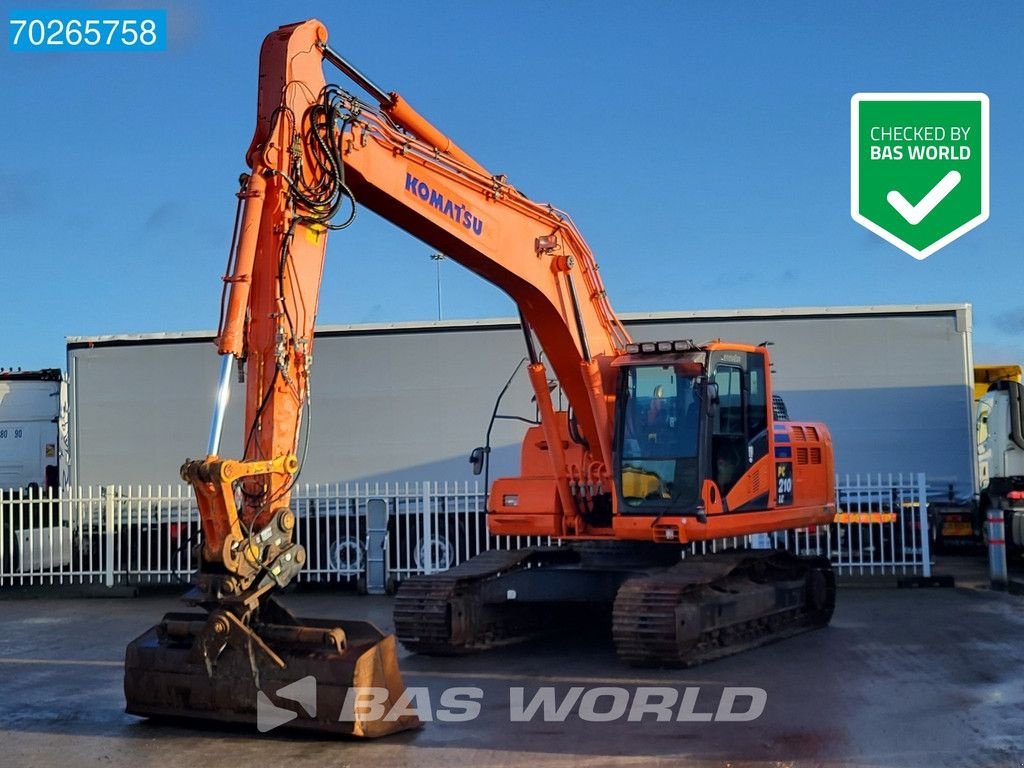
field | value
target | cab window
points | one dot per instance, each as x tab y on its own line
658	461
757	408
728	435
982	426
739	434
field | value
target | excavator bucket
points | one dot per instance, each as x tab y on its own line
329	676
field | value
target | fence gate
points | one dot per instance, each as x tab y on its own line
881	525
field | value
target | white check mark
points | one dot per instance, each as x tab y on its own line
915	213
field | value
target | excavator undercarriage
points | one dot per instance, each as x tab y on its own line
665	611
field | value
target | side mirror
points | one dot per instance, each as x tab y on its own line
477	458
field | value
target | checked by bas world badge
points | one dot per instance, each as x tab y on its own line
919	167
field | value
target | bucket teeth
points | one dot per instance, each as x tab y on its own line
174	670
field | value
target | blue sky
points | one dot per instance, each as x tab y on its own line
701	147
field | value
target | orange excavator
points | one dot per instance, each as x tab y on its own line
663	445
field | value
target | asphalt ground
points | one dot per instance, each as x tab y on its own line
908	677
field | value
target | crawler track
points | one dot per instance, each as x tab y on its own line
443	614
691	612
709	607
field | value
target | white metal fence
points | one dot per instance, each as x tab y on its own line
134	535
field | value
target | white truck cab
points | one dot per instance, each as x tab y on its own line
1000	415
34	536
30	417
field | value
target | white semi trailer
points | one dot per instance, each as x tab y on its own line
407	401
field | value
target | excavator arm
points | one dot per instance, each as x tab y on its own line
246	657
288	202
317	147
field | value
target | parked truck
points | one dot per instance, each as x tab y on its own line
999	408
30	422
33	535
1001	454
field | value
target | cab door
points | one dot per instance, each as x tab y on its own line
739	425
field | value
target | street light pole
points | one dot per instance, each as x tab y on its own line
438	258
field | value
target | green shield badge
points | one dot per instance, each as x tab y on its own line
919	166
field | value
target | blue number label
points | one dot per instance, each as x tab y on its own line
107	30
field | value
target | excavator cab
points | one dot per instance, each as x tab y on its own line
696	453
686	417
